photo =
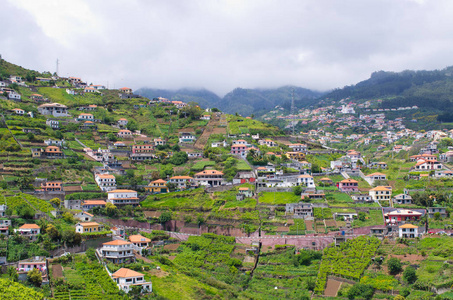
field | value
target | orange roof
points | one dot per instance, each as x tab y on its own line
29	226
89	223
93	202
117	243
181	177
124	273
125	88
408	226
349	180
305	176
122	191
382	188
325	179
376	174
87	213
243	188
105	176
122	119
139	239
158	181
209	172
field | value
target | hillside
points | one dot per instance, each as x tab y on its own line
242	101
430	90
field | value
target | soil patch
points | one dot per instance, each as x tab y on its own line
412	258
57	271
158	273
332	288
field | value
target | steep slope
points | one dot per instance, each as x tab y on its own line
202	96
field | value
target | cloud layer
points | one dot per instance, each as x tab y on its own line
221	45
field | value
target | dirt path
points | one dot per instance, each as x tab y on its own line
203	139
332	288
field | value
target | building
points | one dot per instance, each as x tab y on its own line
3	208
37	262
123	197
73	204
51	186
159	142
125	90
85	117
325	181
18	111
348	185
182	182
158	186
124	134
295	155
402	215
54	109
300	210
84	216
209	178
122	122
402	199
29	230
12	95
126	278
54	124
52	152
423	165
376	176
408	231
87	227
106	182
298	147
117	252
238	149
186	137
246	192
90	204
361	198
380	193
139	241
441	210
306	180
146	148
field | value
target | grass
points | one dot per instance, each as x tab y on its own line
201	165
373	218
193	199
275	198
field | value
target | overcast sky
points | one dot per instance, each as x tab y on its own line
221	45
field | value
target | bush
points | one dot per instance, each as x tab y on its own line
409	275
394	265
361	291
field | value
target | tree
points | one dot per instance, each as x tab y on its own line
12	273
361	216
437	216
360	291
179	158
53	232
55	201
91	254
409	275
200	220
111	209
132	126
297	190
165	217
25	211
394	265
71	238
68	217
172	186
30	136
112	137
34	277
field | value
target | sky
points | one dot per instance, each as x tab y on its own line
221	45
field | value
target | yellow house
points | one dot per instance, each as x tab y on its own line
158	186
295	155
85	227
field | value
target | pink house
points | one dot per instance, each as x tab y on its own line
348	185
238	149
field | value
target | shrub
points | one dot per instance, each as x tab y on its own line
394	265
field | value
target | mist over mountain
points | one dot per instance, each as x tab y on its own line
242	101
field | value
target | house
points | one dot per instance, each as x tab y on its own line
123	197
85	117
219	144
159	142
106	182
3	208
84	216
51	186
205	117
325	181
12	95
18	111
117	252
54	124
300	210
427	165
354	155
52	152
401	215
192	155
126	90
36	262
361	198
402	199
246	192
37	98
209	177
306	180
427	157
348	185
158	186
139	241
295	155
54	109
145	148
73	204
29	230
126	279
408	231
90	204
376	176
185	137
441	210
243	177
90	90
98	87
380	193
298	147
87	227
15	79
122	122
124	133
182	182
268	142
238	149
382	165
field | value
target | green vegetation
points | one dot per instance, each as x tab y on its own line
274	198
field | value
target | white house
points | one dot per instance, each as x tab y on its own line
183	182
186	137
408	231
54	109
13	95
306	180
402	199
209	177
122	197
126	278
84	216
54	124
117	251
106	182
205	117
124	133
298	147
219	144
381	193
85	117
122	122
87	227
18	111
29	230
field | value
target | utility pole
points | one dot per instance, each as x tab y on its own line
58	62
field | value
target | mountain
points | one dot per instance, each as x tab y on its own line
242	101
430	90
